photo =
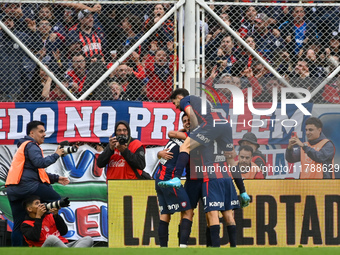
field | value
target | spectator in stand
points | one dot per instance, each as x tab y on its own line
90	37
217	33
76	76
159	71
224	55
298	32
46	13
244	55
17	68
68	20
110	19
117	91
276	14
267	94
248	21
132	86
131	29
266	42
285	65
301	77
21	20
50	53
233	78
333	46
164	33
315	64
260	72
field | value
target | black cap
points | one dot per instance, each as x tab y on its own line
249	137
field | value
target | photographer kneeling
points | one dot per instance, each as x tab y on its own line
124	155
42	228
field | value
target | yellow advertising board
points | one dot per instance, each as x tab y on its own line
283	213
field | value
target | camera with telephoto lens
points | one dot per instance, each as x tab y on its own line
64	202
68	150
122	139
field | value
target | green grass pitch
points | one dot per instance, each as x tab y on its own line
169	251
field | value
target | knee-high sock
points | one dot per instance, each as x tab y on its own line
208	237
185	231
215	235
163	233
182	161
179	234
232	235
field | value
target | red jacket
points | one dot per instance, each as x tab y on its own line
32	228
118	168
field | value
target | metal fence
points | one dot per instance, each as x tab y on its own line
77	42
87	50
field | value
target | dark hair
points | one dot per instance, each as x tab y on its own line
246	148
135	21
184	116
48	6
32	125
29	201
314	121
182	92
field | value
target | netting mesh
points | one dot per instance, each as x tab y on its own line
300	43
79	41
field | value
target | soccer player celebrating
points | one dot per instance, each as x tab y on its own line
173	200
218	191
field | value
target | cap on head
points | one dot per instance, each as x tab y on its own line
83	13
249	137
262	17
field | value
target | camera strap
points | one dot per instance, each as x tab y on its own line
144	176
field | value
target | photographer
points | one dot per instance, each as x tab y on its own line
27	175
124	155
45	229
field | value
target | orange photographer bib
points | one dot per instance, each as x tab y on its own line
311	169
17	167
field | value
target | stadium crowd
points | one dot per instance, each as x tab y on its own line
78	42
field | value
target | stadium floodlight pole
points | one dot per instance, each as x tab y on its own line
329	78
132	49
37	61
189	46
254	53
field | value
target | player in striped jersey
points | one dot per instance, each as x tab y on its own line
173	200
